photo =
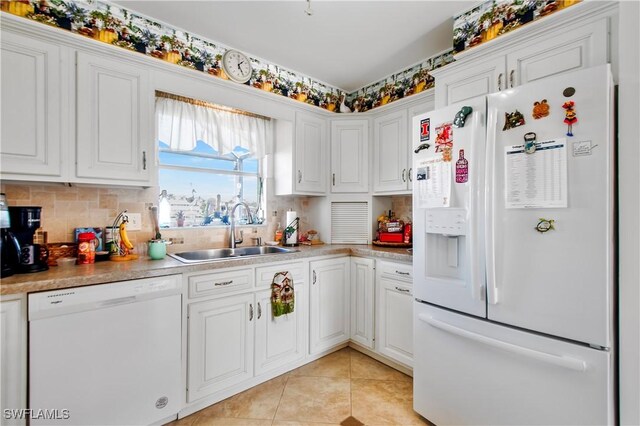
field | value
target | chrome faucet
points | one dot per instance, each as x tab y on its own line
232	217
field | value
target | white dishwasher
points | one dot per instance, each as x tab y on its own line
106	354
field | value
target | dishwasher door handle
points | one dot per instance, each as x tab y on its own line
119	301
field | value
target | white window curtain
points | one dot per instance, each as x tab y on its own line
181	125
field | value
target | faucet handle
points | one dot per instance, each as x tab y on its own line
257	240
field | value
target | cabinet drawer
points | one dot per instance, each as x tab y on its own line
220	282
396	271
264	275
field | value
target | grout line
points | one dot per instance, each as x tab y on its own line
286	380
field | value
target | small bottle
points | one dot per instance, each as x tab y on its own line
278	234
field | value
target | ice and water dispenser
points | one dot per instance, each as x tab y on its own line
446	242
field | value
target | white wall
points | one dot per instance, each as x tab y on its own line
629	205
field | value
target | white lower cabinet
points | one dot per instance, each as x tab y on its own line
220	344
362	301
394	322
13	358
329	307
280	340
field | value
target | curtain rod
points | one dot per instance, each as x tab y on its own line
160	94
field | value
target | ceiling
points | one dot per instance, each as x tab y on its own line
347	44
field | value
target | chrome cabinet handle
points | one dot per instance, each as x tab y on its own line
402	273
500	81
259	310
299	176
403	290
144	160
511	77
404	172
250	311
314	276
222	283
410	174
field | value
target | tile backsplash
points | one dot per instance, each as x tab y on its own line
65	208
402	206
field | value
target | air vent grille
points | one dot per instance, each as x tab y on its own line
349	223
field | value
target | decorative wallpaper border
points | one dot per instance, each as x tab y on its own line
496	17
401	84
120	27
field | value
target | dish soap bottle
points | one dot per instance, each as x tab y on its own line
278	234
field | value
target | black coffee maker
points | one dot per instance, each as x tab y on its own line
9	246
24	222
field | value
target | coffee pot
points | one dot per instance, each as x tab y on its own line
24	223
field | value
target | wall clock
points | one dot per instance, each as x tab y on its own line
237	66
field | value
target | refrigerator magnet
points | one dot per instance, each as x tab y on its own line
570	117
540	109
569	92
425	129
462	168
444	137
530	142
461	116
513	119
545	225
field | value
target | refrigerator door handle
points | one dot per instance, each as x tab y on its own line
490	190
560	361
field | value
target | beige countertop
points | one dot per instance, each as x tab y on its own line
105	272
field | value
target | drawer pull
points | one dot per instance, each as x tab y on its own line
299	176
250	311
511	77
402	273
222	283
259	310
314	276
500	82
403	290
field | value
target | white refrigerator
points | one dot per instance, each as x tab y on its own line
513	256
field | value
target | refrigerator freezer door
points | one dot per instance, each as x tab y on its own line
557	282
474	372
448	246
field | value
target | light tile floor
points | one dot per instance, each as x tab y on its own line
344	388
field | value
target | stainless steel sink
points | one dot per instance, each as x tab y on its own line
197	256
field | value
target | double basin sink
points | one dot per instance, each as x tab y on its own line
198	256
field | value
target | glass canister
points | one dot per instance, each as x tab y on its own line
87	242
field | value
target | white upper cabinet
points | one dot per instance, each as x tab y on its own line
300	155
350	156
114	125
390	153
555	45
311	154
32	109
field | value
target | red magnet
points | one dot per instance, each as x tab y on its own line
444	137
462	168
570	117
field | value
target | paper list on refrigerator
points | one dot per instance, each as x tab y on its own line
537	180
434	183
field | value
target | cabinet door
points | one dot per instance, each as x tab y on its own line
413	135
390	152
362	301
577	48
395	321
471	81
329	321
114	137
220	344
311	154
32	108
279	340
350	156
13	356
